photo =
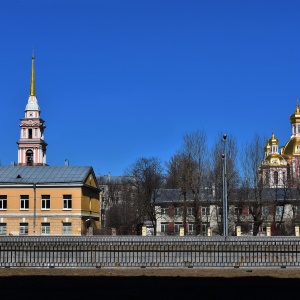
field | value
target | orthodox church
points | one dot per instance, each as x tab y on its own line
281	166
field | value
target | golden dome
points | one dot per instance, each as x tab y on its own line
273	140
267	147
295	117
274	159
292	147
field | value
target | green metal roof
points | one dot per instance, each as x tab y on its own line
43	174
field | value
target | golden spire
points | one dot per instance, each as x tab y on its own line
32	80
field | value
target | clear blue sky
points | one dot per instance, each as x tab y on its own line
118	80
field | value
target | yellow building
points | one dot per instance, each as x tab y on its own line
38	200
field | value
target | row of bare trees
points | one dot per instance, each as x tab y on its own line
195	169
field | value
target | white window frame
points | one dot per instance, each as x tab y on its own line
177	211
3	202
163	211
24	201
204	227
45	201
177	226
191	227
67	202
279	210
238	211
23	228
3	228
67	228
266	211
205	211
190	211
164	227
45	228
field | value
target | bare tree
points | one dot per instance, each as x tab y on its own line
147	178
117	206
187	172
252	183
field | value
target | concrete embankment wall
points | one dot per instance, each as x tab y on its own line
136	251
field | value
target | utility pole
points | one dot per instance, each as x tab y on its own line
225	209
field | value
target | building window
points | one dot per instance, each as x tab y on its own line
266	211
164	227
24	202
67	201
30	133
237	211
3	202
177	227
2	228
67	228
267	178
204	227
205	211
279	210
177	211
275	177
45	228
190	211
45	201
163	211
191	227
23	228
29	157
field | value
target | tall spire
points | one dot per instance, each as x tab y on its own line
32	80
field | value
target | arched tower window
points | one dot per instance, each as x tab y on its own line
288	172
267	181
275	177
29	157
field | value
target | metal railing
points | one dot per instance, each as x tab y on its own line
136	251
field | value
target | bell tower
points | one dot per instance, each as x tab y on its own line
31	145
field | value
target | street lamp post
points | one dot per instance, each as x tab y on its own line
34	208
225	209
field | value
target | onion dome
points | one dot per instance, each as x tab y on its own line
272	156
267	147
292	147
295	117
273	140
